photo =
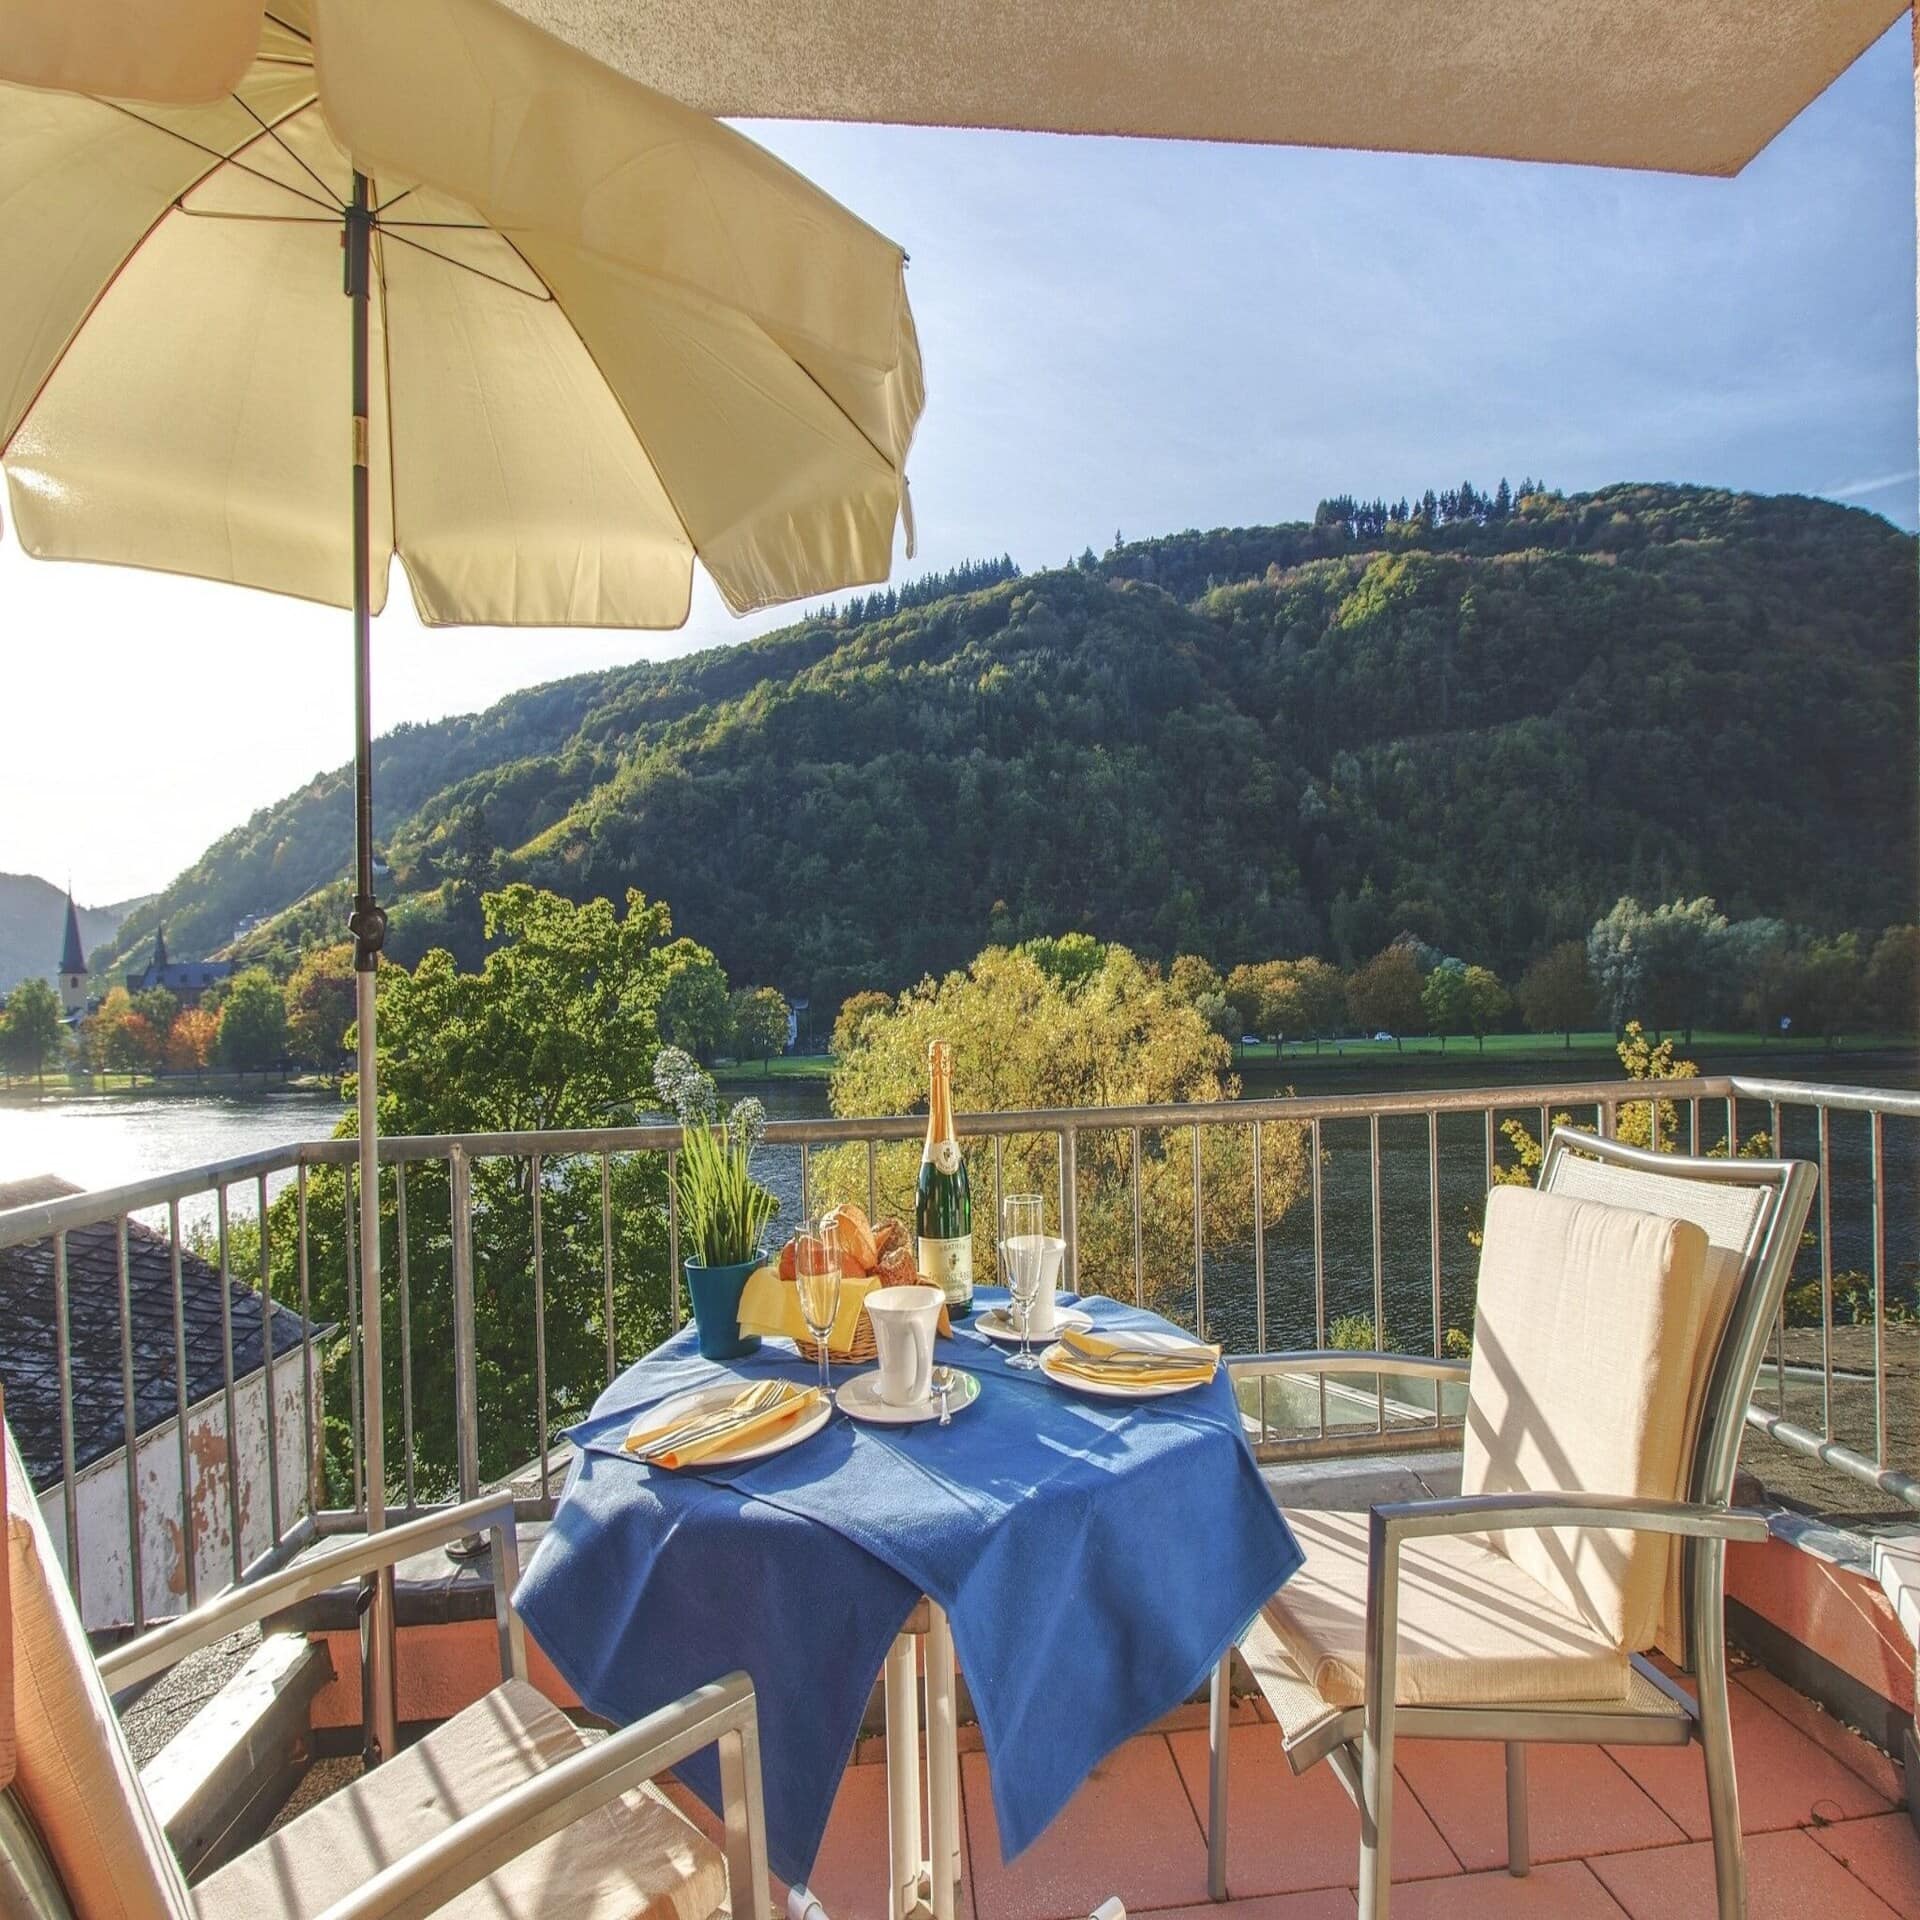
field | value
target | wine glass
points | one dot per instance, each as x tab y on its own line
1023	1227
817	1266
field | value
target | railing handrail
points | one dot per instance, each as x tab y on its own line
42	1219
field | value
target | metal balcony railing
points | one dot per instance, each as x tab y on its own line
1373	1238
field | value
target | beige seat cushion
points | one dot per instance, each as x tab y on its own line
1585	1351
74	1777
638	1856
1474	1627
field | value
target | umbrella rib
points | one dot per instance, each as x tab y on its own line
543	297
273	134
226	159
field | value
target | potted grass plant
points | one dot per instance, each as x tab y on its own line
724	1210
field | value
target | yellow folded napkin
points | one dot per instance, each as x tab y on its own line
755	1414
1110	1357
770	1305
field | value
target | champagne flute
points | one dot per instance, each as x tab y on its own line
817	1266
1023	1226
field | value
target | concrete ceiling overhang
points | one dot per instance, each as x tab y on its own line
1684	86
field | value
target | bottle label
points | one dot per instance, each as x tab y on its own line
946	1155
949	1264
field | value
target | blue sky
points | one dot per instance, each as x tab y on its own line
1133	336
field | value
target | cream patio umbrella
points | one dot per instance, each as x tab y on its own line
589	335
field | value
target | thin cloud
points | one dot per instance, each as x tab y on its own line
1877	483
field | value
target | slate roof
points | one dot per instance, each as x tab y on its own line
73	953
27	1350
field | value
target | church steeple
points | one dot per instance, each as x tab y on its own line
73	963
160	947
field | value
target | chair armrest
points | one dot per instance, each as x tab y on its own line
238	1607
525	1815
1345	1360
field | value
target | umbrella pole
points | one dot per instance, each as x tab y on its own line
379	1713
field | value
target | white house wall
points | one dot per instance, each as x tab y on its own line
106	1585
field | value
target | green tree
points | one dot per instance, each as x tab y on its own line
31	1032
695	1012
1020	1039
855	1011
1486	1003
759	1023
1070	960
1892	982
557	1030
1323	997
253	1023
1556	992
1192	976
1443	999
1384	995
321	1009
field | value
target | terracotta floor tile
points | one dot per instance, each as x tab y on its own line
1287	1831
1855	1754
1129	1830
1327	1903
1786	1780
1885	1853
1788	1878
1578	1801
1564	1890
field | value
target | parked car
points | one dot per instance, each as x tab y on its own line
1383	1036
1249	1039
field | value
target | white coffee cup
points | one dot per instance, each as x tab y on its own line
1045	1316
905	1320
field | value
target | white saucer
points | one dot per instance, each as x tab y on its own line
997	1323
717	1396
1119	1390
859	1399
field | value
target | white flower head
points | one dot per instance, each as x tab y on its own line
685	1087
747	1125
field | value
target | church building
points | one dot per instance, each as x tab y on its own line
186	980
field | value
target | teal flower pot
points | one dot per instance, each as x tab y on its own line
715	1293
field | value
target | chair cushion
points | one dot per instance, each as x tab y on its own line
1474	1627
74	1778
1585	1352
636	1856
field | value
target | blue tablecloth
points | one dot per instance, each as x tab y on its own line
1095	1557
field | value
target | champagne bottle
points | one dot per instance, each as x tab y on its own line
943	1208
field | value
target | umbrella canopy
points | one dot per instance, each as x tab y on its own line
589	336
607	334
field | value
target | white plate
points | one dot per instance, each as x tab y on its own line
997	1324
859	1399
1118	1390
716	1396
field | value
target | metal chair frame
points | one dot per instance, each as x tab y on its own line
1359	1741
722	1714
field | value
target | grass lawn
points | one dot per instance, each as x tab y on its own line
798	1066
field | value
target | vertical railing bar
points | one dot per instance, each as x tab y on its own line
1199	1242
873	1180
1260	1252
348	1178
999	1195
406	1327
1653	1122
1490	1148
1379	1269
1733	1126
673	1236
539	1323
1433	1229
466	1381
1319	1269
606	1262
228	1400
1059	1176
1877	1172
1609	1117
130	1427
190	1573
1826	1271
806	1198
315	1471
1546	1128
269	1377
1693	1126
1780	1317
1139	1232
63	1365
1070	1204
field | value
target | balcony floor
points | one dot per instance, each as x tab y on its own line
1613	1833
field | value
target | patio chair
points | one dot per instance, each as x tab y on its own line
504	1811
1623	1310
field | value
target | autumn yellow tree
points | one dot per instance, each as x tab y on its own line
191	1042
1022	1039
